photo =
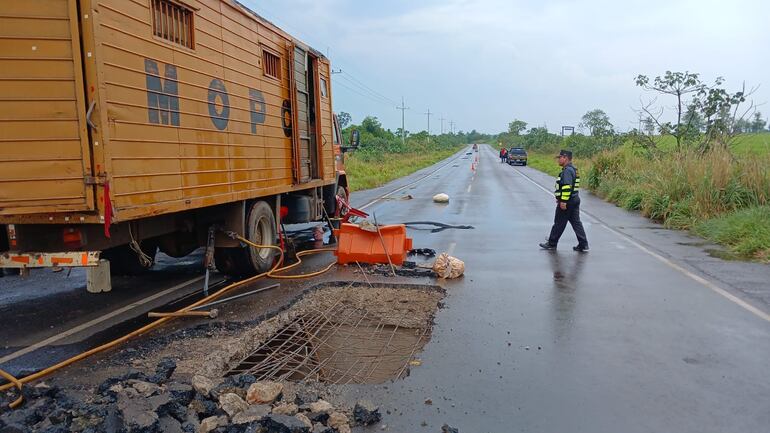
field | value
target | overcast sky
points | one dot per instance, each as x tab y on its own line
483	63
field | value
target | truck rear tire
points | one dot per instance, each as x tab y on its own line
248	261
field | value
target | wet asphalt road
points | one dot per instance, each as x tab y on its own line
615	340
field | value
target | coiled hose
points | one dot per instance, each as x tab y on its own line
272	273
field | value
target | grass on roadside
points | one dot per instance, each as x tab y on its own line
745	232
543	162
370	171
744	144
546	162
718	195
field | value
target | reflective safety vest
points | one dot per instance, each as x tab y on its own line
570	185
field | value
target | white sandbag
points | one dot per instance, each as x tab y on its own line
447	266
367	226
441	198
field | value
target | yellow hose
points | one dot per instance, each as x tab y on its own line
271	273
13	382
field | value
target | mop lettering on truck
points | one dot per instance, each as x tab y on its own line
163	99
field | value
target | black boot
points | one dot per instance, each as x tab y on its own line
547	246
580	248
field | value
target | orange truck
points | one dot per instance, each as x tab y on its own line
129	127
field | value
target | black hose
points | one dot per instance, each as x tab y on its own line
441	226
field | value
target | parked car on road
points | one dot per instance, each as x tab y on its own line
517	155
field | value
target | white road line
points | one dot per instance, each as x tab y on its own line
729	296
469	187
408	185
96	321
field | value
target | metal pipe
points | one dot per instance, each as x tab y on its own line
210	314
231	298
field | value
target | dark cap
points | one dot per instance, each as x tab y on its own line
567	153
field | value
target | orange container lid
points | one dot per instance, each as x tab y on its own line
357	245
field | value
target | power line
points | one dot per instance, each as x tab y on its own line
369	88
362	94
365	90
403	108
428	113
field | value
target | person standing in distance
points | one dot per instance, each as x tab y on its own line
568	205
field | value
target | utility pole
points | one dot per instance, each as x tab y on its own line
452	126
403	108
442	125
428	113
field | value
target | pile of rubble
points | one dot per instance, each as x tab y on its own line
141	403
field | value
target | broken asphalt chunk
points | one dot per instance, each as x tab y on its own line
366	413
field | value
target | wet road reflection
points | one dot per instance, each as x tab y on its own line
567	270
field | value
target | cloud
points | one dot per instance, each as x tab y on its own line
483	63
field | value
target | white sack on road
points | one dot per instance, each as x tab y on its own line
441	198
447	266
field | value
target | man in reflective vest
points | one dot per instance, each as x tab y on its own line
568	208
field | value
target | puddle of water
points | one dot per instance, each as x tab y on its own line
340	336
722	254
693	244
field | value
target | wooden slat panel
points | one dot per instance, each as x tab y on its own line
30	68
27	27
42	153
25	89
41	109
37	8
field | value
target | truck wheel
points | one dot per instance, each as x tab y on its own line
331	194
341	211
125	261
260	229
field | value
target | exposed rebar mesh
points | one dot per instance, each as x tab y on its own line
341	344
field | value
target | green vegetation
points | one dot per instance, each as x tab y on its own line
382	156
746	232
690	190
365	171
546	162
743	144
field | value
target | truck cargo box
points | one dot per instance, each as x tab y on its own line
115	110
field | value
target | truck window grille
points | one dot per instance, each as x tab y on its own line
271	65
172	22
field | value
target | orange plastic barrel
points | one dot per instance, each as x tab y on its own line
356	245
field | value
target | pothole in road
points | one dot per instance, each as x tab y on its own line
342	335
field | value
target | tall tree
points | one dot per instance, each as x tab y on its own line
344	119
680	85
757	123
517	126
598	123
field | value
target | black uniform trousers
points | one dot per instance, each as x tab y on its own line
571	215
